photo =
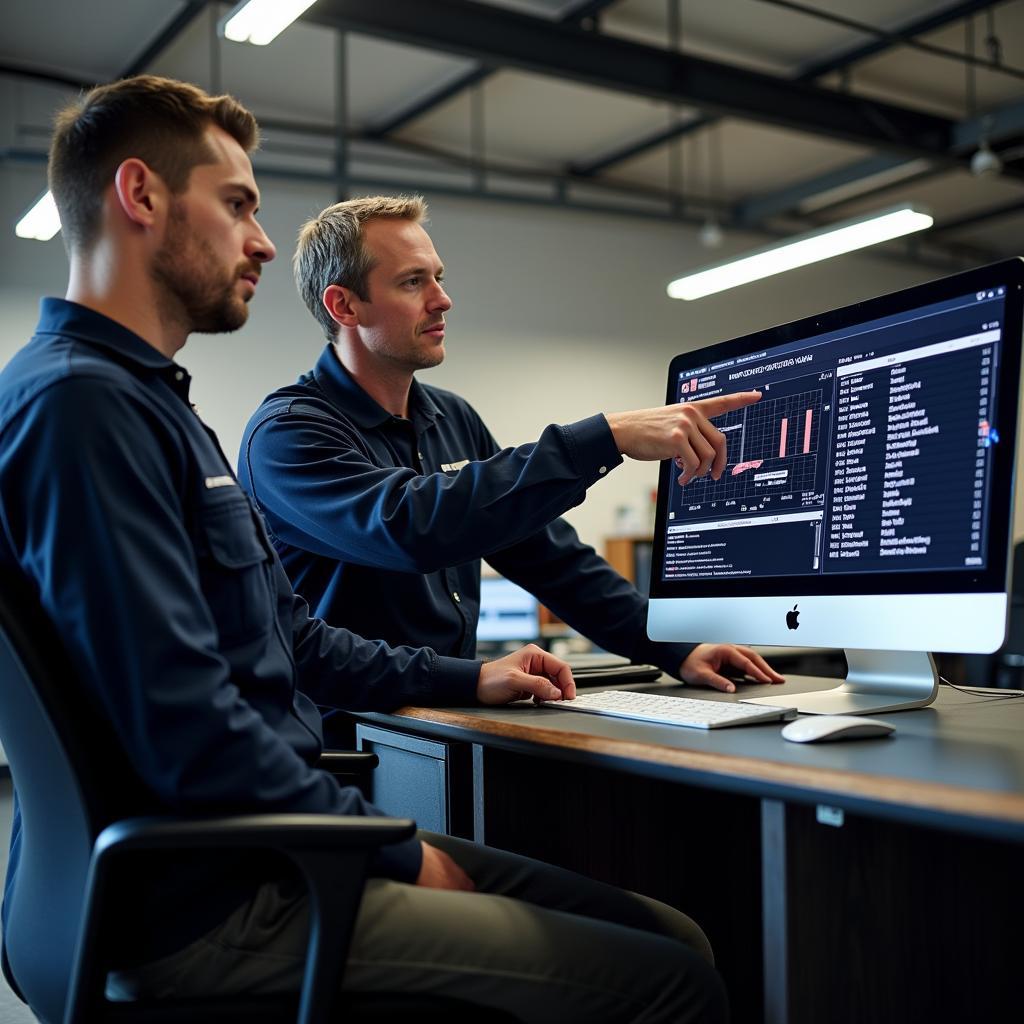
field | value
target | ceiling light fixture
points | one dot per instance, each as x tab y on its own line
711	234
41	221
985	161
800	251
260	21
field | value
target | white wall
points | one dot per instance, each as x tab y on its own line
557	315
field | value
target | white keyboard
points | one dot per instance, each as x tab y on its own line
664	709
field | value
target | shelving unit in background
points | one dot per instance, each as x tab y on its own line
630	556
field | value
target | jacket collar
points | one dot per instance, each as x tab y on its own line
69	319
349	398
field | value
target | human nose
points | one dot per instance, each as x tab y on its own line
260	247
440	301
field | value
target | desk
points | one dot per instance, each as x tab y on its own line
874	880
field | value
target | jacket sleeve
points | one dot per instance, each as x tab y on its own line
583	590
338	669
320	490
89	482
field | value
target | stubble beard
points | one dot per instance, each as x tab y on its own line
194	290
409	358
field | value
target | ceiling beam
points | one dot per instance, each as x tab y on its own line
971	220
508	39
175	27
886	38
808	73
855	179
940	258
836	186
582	13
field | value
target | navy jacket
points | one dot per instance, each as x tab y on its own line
118	505
381	522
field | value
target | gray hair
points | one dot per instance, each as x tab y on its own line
330	249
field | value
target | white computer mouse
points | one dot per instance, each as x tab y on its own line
818	728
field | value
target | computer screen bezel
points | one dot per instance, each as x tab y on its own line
993	577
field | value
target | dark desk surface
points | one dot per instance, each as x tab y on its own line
958	764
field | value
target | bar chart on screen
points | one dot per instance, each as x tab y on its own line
772	452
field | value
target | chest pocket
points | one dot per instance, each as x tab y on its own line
234	568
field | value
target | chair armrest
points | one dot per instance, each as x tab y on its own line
332	852
348	762
278	831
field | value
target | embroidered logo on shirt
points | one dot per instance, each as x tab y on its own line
219	481
448	467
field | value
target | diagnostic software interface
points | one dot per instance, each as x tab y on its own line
869	450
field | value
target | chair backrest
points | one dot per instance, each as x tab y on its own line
71	779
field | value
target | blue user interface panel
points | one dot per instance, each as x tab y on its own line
870	451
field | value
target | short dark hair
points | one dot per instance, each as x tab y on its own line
159	120
331	249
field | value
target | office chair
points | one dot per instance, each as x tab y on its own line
80	800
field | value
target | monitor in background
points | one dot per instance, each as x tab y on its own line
868	498
509	616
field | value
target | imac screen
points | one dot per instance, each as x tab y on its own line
873	451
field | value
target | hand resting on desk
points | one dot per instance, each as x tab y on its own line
717	665
528	672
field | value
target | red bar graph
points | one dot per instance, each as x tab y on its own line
782	438
807	431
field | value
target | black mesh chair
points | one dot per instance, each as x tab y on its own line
79	800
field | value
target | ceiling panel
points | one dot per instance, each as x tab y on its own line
541	120
755	158
90	41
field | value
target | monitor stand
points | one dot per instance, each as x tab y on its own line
876	681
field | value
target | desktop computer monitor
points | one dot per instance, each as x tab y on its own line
507	613
867	502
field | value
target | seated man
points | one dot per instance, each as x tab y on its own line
382	494
121	511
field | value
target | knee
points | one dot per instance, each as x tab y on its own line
681	927
699	942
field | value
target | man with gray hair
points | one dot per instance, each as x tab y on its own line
382	493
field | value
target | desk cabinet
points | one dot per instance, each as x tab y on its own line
846	884
426	780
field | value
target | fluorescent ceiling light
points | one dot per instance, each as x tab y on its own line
800	251
41	221
260	21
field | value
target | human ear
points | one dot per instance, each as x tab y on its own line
138	192
340	302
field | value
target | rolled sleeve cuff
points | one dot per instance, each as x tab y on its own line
593	448
454	681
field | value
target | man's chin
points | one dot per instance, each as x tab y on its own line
433	358
224	321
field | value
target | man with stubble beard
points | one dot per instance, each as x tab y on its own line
120	511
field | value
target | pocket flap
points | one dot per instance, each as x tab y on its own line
231	535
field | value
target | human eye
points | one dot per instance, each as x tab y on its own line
412	282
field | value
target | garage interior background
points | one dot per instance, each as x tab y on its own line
576	156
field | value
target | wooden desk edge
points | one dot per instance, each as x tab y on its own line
931	796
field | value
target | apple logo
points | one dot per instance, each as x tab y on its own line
793	618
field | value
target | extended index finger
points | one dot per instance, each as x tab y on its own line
712	407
